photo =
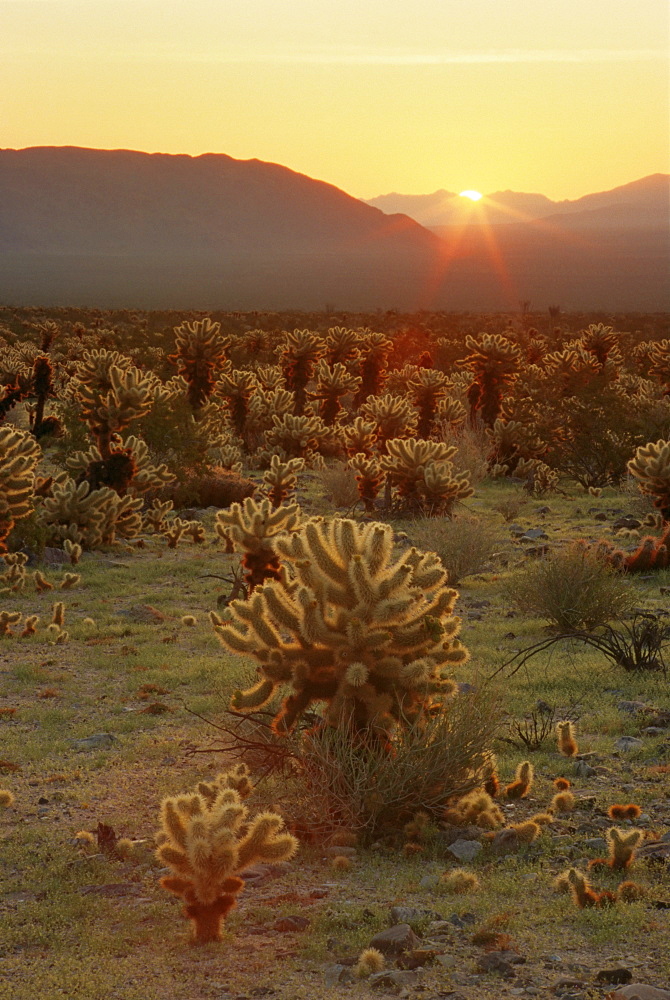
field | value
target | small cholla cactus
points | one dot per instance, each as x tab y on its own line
369	961
459	881
629	811
567	744
583	895
651	468
563	802
19	454
73	550
208	840
280	480
69	580
58	615
7	619
523	781
6	798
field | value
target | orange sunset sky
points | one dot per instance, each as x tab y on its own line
374	96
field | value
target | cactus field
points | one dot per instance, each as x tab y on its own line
314	625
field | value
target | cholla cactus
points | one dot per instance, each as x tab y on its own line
659	362
651	468
281	478
13	580
422	473
367	633
254	528
393	416
494	362
298	355
342	345
332	382
127	469
19	454
90	517
450	413
428	387
369	478
375	349
208	840
601	341
236	388
359	437
199	355
296	436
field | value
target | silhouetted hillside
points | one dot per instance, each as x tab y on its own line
127	229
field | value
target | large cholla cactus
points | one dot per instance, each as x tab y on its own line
199	355
298	355
428	387
375	348
236	388
280	480
367	633
90	518
209	842
651	468
494	362
342	345
394	417
19	454
369	478
332	382
253	528
422	473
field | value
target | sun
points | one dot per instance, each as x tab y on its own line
472	195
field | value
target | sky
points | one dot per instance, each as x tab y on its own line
562	97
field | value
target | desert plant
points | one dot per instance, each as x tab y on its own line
494	362
375	349
340	483
359	786
208	841
19	454
369	478
280	480
200	349
298	355
570	588
421	472
352	626
254	528
651	468
332	382
464	545
428	388
523	781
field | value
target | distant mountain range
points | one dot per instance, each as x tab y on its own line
115	228
637	205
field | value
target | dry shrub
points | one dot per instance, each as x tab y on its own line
369	788
472	448
510	506
213	488
339	484
465	545
571	588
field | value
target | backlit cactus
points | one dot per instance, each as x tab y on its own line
350	625
19	454
208	840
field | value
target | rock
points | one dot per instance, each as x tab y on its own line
566	984
336	973
395	940
449	836
409	915
583	770
596	843
465	850
291	924
600	516
399	978
54	557
506	841
429	882
492	962
446	961
640	991
654	731
615	977
462	919
628	521
99	741
440	928
534	534
333	850
627	743
633	707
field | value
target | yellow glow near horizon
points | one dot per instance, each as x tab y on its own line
562	99
472	195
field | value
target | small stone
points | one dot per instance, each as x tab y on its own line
465	850
641	991
291	924
626	743
654	731
395	939
462	919
566	984
399	978
492	962
614	976
99	741
534	534
446	961
583	770
338	974
596	843
429	882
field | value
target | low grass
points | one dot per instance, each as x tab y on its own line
57	938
